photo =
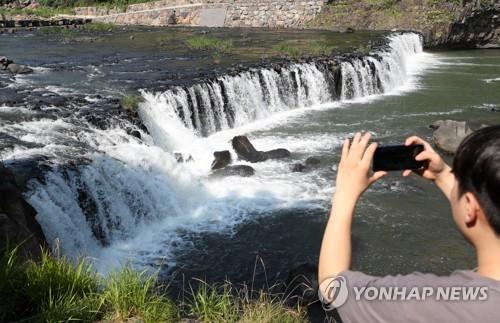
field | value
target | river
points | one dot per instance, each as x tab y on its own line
104	193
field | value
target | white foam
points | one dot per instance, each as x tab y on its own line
492	80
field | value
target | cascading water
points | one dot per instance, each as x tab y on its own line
132	200
233	101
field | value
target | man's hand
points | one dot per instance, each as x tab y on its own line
435	168
354	171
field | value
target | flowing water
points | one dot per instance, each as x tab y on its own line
118	198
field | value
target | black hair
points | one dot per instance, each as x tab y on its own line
477	169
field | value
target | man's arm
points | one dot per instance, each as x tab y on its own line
353	178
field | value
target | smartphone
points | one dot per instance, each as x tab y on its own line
397	157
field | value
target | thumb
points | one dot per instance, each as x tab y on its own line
376	176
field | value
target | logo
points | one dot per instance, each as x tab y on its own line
335	294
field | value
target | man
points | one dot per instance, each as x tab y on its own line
473	190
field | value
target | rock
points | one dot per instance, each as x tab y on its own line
135	133
181	158
448	134
298	168
19	69
17	218
276	153
237	170
246	151
4	62
222	159
312	161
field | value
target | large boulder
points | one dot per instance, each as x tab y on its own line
222	159
4	62
237	170
19	69
17	218
448	134
276	153
313	161
246	151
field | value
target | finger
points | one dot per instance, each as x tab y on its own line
355	139
360	148
407	172
376	176
425	155
413	140
345	150
370	151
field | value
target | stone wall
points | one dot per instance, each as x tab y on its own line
237	13
271	13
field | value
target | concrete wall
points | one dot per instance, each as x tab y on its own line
213	13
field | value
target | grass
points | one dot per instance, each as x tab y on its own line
130	294
215	46
42	11
295	49
56	289
205	43
386	14
51	8
227	304
99	26
88	3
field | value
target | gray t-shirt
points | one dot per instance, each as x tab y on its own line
464	296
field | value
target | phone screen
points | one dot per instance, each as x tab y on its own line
397	158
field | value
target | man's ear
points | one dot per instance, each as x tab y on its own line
473	210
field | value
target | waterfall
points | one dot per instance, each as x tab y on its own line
232	101
133	200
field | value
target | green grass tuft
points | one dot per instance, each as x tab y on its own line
131	102
129	294
210	44
287	48
213	303
99	26
226	304
61	289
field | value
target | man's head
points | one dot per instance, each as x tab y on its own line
475	199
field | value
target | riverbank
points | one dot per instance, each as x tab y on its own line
444	24
55	289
